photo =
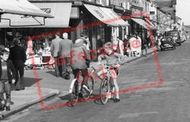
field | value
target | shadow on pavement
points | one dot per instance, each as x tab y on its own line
51	73
65	97
28	81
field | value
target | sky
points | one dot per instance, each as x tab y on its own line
183	10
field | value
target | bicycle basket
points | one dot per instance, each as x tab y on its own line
101	72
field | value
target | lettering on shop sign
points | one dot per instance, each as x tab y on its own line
46	10
100	14
133	54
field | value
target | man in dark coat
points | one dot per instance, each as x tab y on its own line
18	57
55	53
65	46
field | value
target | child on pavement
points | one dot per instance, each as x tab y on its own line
5	81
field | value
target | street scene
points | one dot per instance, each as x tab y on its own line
94	61
167	103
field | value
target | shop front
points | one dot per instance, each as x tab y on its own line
12	11
105	22
100	24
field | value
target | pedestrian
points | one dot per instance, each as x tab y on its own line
65	47
126	45
144	45
5	81
99	45
54	49
18	57
86	41
118	46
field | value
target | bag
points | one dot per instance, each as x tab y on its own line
67	76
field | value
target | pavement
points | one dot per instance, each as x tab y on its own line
41	85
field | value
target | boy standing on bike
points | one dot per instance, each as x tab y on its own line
80	59
110	56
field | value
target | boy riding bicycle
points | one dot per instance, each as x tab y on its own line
80	59
109	56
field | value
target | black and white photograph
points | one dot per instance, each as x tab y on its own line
94	61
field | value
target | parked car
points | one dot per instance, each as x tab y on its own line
167	44
173	35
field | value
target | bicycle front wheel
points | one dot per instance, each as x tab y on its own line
105	92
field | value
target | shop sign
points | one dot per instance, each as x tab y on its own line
135	10
60	11
135	45
138	3
46	10
103	2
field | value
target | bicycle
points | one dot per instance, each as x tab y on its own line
77	89
107	88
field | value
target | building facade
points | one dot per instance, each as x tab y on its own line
95	18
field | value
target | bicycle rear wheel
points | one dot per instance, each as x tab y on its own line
74	95
105	92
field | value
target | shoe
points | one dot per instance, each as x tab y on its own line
23	88
66	76
86	88
116	100
18	89
57	75
7	108
81	95
1	108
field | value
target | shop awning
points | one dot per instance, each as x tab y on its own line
144	24
61	13
106	15
21	7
